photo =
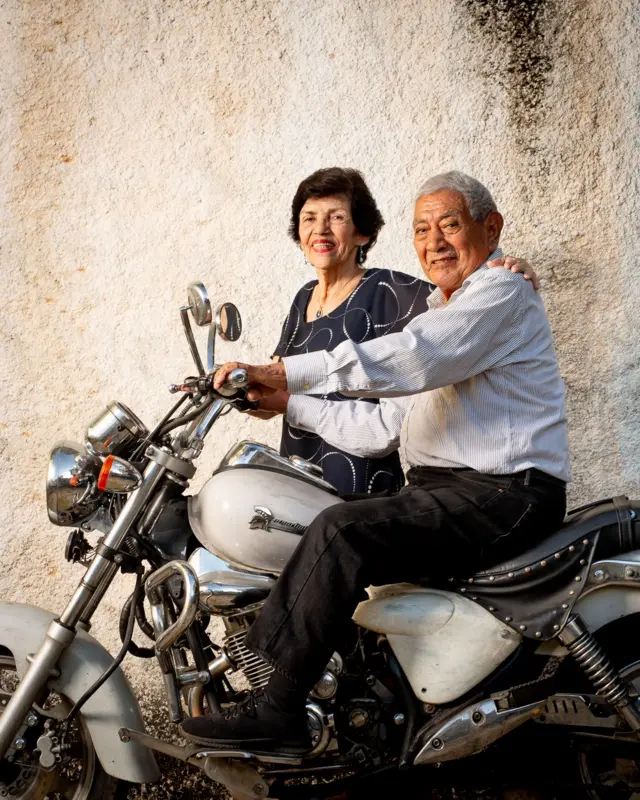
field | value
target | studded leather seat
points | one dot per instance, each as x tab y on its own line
535	591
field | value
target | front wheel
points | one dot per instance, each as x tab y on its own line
77	775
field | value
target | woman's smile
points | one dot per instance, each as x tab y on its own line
322	245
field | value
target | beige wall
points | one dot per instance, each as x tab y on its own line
145	145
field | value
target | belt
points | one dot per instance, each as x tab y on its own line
533	475
528	476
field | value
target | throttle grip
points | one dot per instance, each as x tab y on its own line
238	379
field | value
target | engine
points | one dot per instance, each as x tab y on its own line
254	668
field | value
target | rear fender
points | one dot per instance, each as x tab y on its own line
113	706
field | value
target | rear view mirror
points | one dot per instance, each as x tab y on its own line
228	322
199	304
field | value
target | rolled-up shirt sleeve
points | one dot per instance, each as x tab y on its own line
363	429
449	344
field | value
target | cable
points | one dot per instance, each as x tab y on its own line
134	649
176	423
116	661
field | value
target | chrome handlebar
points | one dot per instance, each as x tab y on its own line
238	379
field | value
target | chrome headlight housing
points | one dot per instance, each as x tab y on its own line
114	429
72	484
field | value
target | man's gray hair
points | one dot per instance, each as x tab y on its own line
479	200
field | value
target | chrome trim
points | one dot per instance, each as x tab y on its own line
199	304
624	570
181	569
123	477
113	429
249	453
221	585
471	730
184	316
72	478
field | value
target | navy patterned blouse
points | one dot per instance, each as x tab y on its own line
383	302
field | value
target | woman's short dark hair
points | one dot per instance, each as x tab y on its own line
327	182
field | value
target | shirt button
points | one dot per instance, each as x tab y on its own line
306	387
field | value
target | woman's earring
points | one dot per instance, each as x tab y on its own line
361	255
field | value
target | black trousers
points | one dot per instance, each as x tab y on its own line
444	523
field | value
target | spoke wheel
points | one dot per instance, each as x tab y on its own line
604	776
77	776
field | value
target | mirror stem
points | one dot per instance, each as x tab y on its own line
211	348
184	314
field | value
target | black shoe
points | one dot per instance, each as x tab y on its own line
254	725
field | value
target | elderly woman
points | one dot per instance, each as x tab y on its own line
335	221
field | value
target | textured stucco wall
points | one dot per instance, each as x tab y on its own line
145	145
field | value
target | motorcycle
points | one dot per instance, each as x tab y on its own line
480	671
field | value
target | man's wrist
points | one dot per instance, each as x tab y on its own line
306	374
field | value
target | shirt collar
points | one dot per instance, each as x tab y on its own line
436	298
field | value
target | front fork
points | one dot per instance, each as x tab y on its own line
62	631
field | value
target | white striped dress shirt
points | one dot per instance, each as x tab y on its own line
483	371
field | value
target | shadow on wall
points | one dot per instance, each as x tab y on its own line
517	37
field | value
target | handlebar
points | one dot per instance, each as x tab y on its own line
237	381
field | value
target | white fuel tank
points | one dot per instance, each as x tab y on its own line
255	507
445	643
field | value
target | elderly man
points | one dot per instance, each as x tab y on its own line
485	437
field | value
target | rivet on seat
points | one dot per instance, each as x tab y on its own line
543	563
491	608
557	555
527	569
556	627
508	619
538	634
470	580
585	541
571	548
582	562
572	592
564	605
491	577
463	590
578	578
523	627
511	574
474	598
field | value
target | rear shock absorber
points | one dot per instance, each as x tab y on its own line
596	665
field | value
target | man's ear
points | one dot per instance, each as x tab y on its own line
493	226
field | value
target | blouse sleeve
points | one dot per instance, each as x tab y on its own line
398	299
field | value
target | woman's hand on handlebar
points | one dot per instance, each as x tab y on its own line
270	376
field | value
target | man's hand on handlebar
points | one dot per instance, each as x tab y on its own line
270	376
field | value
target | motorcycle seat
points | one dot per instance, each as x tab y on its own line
535	591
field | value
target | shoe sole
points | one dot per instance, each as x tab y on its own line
248	745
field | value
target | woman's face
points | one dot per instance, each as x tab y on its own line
328	237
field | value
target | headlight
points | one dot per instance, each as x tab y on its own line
114	429
72	479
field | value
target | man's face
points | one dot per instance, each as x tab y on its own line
449	242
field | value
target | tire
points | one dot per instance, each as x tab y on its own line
79	778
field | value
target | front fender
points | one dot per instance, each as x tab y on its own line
113	706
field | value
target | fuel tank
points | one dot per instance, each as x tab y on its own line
256	505
445	643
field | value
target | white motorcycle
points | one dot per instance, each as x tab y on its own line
440	675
